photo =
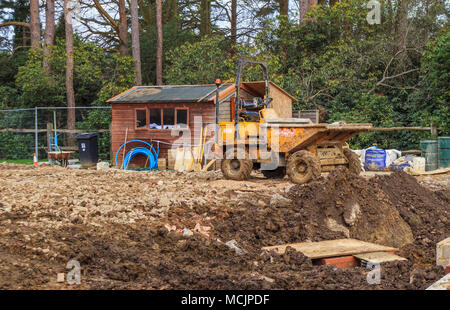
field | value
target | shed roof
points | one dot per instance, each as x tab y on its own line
168	93
185	93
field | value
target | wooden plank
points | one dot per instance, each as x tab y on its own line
437	171
332	248
378	257
179	159
209	165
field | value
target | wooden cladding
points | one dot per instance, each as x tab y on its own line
127	115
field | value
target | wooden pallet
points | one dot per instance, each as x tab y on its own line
332	248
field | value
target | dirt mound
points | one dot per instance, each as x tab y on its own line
349	204
342	205
426	212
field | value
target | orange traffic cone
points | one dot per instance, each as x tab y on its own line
35	160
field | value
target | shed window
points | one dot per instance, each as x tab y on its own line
169	118
155	119
141	118
182	118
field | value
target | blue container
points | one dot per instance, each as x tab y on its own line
375	159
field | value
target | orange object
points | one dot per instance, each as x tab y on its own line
447	269
342	261
35	162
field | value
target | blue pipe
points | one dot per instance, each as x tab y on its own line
152	158
151	153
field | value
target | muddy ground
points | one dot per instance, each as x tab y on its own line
168	230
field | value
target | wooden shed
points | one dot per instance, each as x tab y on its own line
150	113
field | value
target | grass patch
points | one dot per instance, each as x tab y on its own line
18	161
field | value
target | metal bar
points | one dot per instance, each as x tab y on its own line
55	108
66	108
399	128
36	133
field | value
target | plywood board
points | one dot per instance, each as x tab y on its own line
332	248
442	284
378	257
179	159
188	159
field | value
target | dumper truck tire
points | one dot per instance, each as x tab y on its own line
302	167
354	164
278	173
235	168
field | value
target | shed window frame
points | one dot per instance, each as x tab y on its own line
161	118
187	117
175	126
147	115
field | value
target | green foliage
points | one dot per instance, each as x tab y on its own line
204	61
8	97
97	76
15	146
173	38
431	100
199	63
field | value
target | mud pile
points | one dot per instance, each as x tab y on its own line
426	212
343	205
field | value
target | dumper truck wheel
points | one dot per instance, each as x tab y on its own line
354	164
302	167
278	173
236	169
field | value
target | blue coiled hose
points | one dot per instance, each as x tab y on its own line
150	153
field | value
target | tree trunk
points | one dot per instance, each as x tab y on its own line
205	17
170	11
135	44
49	35
233	22
284	7
305	7
402	28
70	95
159	45
35	25
148	13
123	29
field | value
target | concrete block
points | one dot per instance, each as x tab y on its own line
443	253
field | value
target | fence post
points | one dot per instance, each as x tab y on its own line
36	133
